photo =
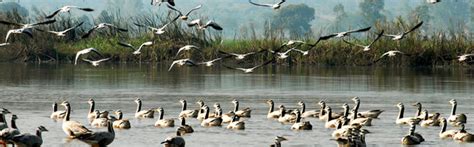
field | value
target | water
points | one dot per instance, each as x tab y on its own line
29	89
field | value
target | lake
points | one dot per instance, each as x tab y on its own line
28	90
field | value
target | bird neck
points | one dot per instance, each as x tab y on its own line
68	113
453	110
270	110
38	133
2	118
443	127
92	107
162	112
346	112
139	106
110	127
55	107
184	106
303	108
206	116
298	117
236	108
357	105
400	113
119	116
329	115
183	121
418	110
425	116
322	111
13	125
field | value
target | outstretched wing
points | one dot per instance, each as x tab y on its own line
44	22
89	32
86	9
67	30
281	2
115	27
359	30
414	28
54	14
105	59
174	9
126	45
377	38
195	8
321	39
263	5
265	63
214	25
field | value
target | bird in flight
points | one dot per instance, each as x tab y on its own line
183	16
67	9
464	57
27	26
366	47
274	6
26	31
209	63
250	70
210	23
182	62
63	33
158	31
343	34
100	26
186	48
403	34
85	51
136	50
158	2
96	62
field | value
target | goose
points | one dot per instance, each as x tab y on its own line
405	120
163	123
158	31
241	113
29	140
301	125
240	56
433	1
235	124
186	48
201	113
347	130
455	119
67	9
184	16
366	48
120	122
330	121
175	141
271	113
403	34
100	26
182	62
412	138
370	113
184	127
251	69
63	33
99	122
426	121
304	113
208	122
158	2
323	114
149	113
227	117
102	138
86	51
446	134
73	129
362	121
187	113
56	114
7	134
92	113
463	136
28	26
136	50
3	121
197	23
278	140
210	62
273	6
285	118
464	57
95	62
342	34
26	31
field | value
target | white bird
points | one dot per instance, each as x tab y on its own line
85	51
96	62
209	63
210	23
240	56
67	9
186	48
26	26
137	50
100	26
63	33
366	47
284	55
392	53
158	31
184	16
158	2
403	34
250	70
342	34
304	53
4	44
464	57
26	31
291	42
182	62
274	6
433	1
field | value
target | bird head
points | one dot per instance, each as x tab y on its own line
90	101
301	103
14	117
417	104
138	100
42	128
453	101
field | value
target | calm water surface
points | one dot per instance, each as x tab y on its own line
29	89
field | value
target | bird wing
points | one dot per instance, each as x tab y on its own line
89	32
172	64
389	35
27	32
217	59
195	8
174	9
86	9
126	45
281	2
190	62
298	50
145	44
352	43
67	30
8	35
359	30
377	38
171	2
115	27
102	60
96	51
194	23
54	13
385	54
87	60
265	63
263	5
10	23
321	39
414	28
44	22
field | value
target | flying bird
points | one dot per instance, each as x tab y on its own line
304	53
182	62
67	9
209	63
321	39
464	57
184	16
250	70
100	26
292	42
403	34
274	6
158	2
342	34
26	26
158	31
96	62
240	56
26	31
186	48
433	1
4	44
63	33
391	53
366	47
198	24
136	50
85	51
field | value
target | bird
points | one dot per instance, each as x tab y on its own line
273	6
306	52
85	51
370	113
391	53
7	134
56	114
73	129
301	125
149	113
161	122
184	127
158	2
186	48
272	114
98	122
102	138
305	113
184	16
209	63
95	62
158	31
100	26
235	124
182	62
30	140
187	113
446	134
241	113
63	33
403	34
240	56
412	138
120	122
278	140
433	1
209	122
464	57
136	50
405	120
366	47
28	26
455	119
67	9
251	69
175	141
343	34
463	135
26	31
197	23
92	111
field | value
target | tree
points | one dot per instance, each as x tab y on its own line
341	15
13	7
371	10
295	19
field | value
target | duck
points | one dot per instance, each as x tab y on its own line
463	136
446	134
330	121
301	125
366	114
121	123
7	134
456	119
271	113
304	113
163	122
102	138
412	138
149	113
209	122
278	140
401	120
92	114
73	129
30	140
323	114
99	122
187	113
286	118
184	127
57	115
235	124
175	141
241	113
426	121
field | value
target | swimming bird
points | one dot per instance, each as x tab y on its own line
323	115
98	122
210	23
186	48
251	69
63	33
310	113
161	122
433	1
300	125
370	113
85	51
100	26
405	120
456	119
158	31
136	50
175	141
241	113
121	123
56	114
184	127
463	135
73	129
7	134
343	34
330	121
446	134
92	111
158	2
139	113
95	62
209	122
67	9
426	122
210	62
403	34
412	138
273	6
272	114
366	47
30	140
464	57
278	140
102	138
187	113
3	121
28	26
26	31
182	62
235	124
183	16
